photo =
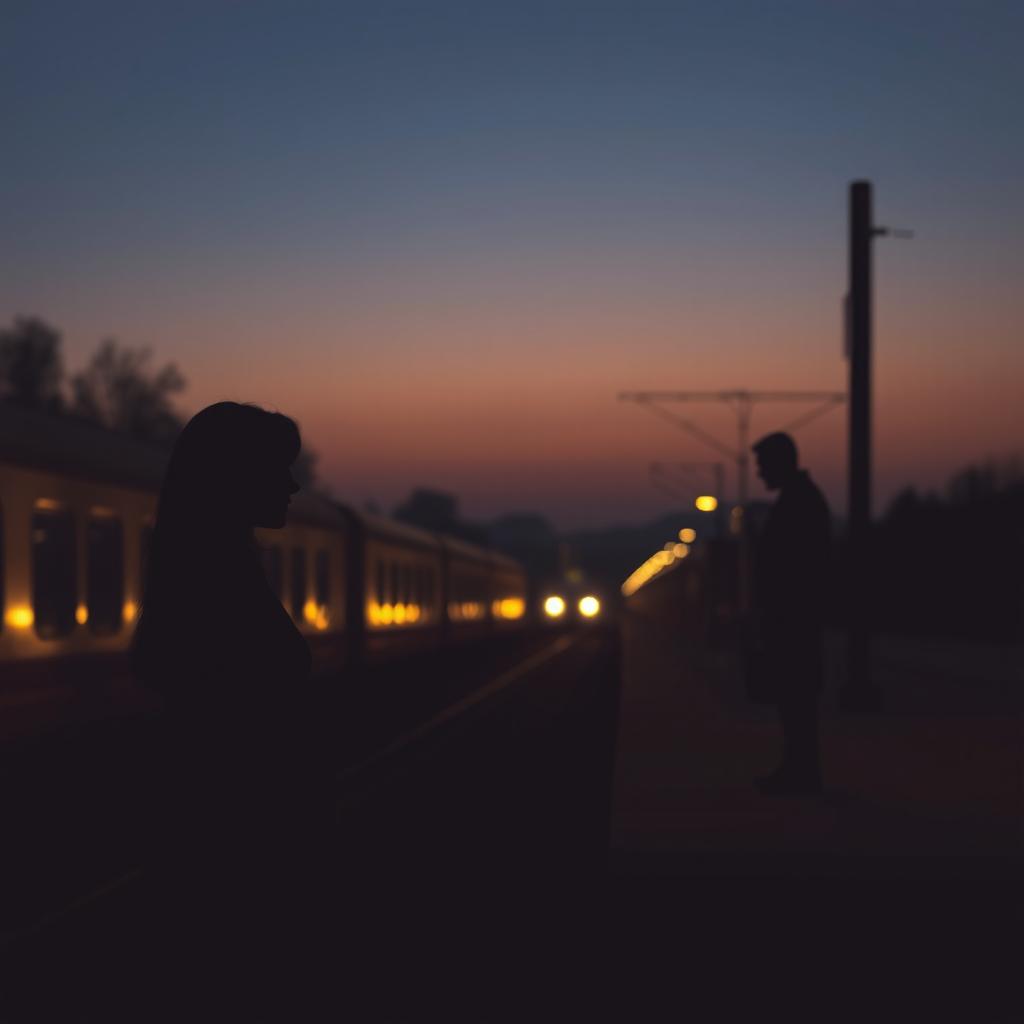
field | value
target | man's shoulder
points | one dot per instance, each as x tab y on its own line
802	501
807	490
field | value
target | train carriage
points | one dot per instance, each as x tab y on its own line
398	587
468	585
77	509
508	592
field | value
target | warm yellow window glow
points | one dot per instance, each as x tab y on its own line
466	611
589	606
554	607
48	505
687	535
377	614
309	611
81	615
681	550
20	617
706	503
130	610
666	557
509	608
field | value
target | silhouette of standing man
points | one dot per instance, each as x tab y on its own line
790	587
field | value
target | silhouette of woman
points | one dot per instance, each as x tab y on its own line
233	670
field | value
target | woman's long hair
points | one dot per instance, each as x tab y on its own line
203	534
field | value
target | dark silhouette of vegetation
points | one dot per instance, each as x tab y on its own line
439	512
118	391
31	365
953	564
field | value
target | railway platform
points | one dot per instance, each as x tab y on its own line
895	895
578	836
932	785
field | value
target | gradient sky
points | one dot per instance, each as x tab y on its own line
445	236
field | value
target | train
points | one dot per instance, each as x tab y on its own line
77	509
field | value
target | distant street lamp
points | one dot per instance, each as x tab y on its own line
706	503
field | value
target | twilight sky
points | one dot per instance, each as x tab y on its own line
444	236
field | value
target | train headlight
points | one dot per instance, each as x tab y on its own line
554	607
589	606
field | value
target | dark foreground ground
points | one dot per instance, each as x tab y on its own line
580	840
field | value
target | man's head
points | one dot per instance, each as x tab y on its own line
776	460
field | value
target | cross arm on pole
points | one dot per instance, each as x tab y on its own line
650	400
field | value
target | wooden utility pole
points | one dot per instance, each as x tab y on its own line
859	691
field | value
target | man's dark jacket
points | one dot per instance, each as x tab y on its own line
791	585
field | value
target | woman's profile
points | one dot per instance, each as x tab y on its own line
231	667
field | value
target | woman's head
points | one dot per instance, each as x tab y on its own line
231	468
229	471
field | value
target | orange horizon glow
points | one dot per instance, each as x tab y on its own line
513	407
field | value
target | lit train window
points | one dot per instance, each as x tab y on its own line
273	568
298	582
54	579
104	577
322	578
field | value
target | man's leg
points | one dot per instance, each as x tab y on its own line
800	771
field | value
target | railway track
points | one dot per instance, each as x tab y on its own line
380	787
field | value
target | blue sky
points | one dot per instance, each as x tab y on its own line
503	207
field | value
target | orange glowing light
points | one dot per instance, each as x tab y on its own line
509	608
20	617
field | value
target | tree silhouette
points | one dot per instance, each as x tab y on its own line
118	391
31	365
953	565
